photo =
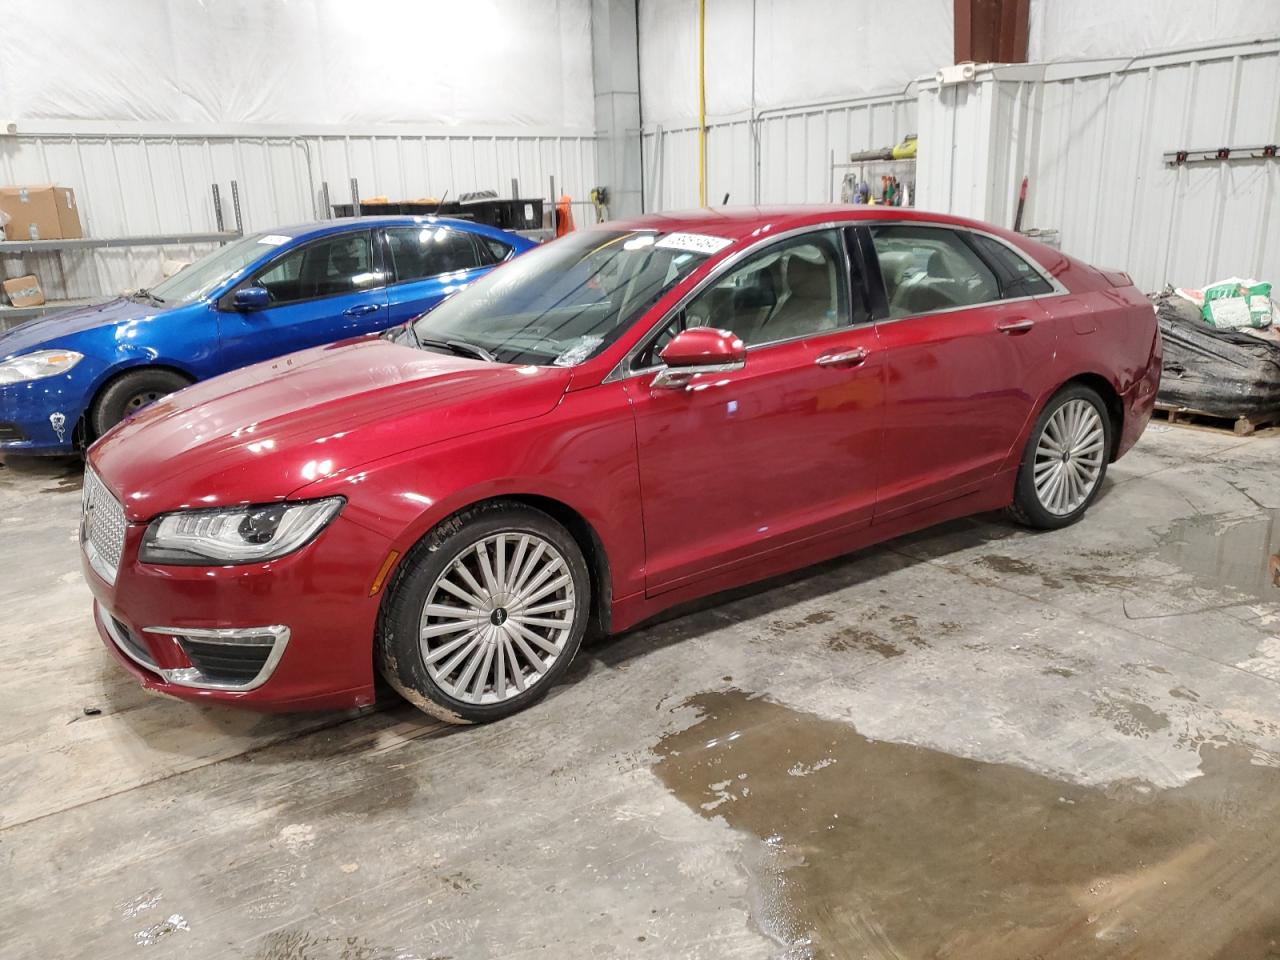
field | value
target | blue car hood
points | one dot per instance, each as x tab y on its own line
54	329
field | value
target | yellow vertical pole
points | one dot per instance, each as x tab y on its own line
702	103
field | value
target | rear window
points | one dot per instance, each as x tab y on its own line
1017	277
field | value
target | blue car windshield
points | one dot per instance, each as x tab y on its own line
564	302
197	280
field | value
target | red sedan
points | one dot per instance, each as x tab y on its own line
625	419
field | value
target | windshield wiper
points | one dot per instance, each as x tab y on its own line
459	347
142	293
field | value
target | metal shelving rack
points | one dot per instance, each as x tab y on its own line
11	315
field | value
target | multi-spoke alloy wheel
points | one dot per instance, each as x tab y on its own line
485	614
498	617
1069	457
1065	460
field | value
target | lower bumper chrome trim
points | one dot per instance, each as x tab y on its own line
275	636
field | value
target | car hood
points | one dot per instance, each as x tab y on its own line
55	328
261	433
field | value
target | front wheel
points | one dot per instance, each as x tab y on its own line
131	392
1065	460
486	614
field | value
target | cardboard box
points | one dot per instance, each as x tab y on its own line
23	291
40	212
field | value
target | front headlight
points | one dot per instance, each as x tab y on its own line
236	535
38	365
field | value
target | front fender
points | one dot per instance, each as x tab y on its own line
582	456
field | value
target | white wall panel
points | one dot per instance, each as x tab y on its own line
1072	29
1091	137
132	185
764	54
302	63
794	146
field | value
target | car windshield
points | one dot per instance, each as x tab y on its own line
563	303
197	280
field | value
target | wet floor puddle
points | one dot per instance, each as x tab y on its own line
1235	554
867	849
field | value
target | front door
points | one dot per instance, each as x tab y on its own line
968	351
321	291
735	465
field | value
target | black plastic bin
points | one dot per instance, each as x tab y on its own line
506	214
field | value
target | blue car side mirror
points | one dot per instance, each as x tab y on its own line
251	298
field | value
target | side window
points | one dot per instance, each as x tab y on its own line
795	288
491	251
930	268
429	250
322	268
1017	277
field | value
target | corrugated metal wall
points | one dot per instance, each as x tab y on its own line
1091	137
795	152
135	185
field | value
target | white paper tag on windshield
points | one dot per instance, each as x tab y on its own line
582	348
273	239
693	243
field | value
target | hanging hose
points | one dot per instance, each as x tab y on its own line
702	103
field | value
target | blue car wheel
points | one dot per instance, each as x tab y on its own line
131	392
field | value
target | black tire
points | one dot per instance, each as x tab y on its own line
1027	508
398	649
131	392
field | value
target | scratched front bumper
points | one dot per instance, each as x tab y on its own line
45	412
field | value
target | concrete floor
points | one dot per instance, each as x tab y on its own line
971	743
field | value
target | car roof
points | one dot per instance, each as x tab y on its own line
320	228
737	223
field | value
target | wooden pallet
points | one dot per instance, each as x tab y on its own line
1242	425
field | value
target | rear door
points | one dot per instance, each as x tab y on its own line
429	261
967	353
320	291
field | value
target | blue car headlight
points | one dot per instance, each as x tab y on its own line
38	365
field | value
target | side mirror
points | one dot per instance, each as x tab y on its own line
698	351
251	298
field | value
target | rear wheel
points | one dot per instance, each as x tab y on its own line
485	617
131	392
1065	460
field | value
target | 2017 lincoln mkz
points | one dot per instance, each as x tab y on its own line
629	417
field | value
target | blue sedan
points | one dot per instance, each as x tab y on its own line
68	378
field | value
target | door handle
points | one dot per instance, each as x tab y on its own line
362	310
1021	325
846	358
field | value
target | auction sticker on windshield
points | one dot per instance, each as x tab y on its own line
693	243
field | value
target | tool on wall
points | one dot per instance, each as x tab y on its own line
1022	202
600	200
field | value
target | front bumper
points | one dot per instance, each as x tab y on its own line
287	635
39	417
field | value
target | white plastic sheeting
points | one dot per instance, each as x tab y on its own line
1075	29
1091	137
141	105
298	62
805	51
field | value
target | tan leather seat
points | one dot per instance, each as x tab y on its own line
809	306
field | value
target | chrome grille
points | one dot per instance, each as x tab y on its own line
101	527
